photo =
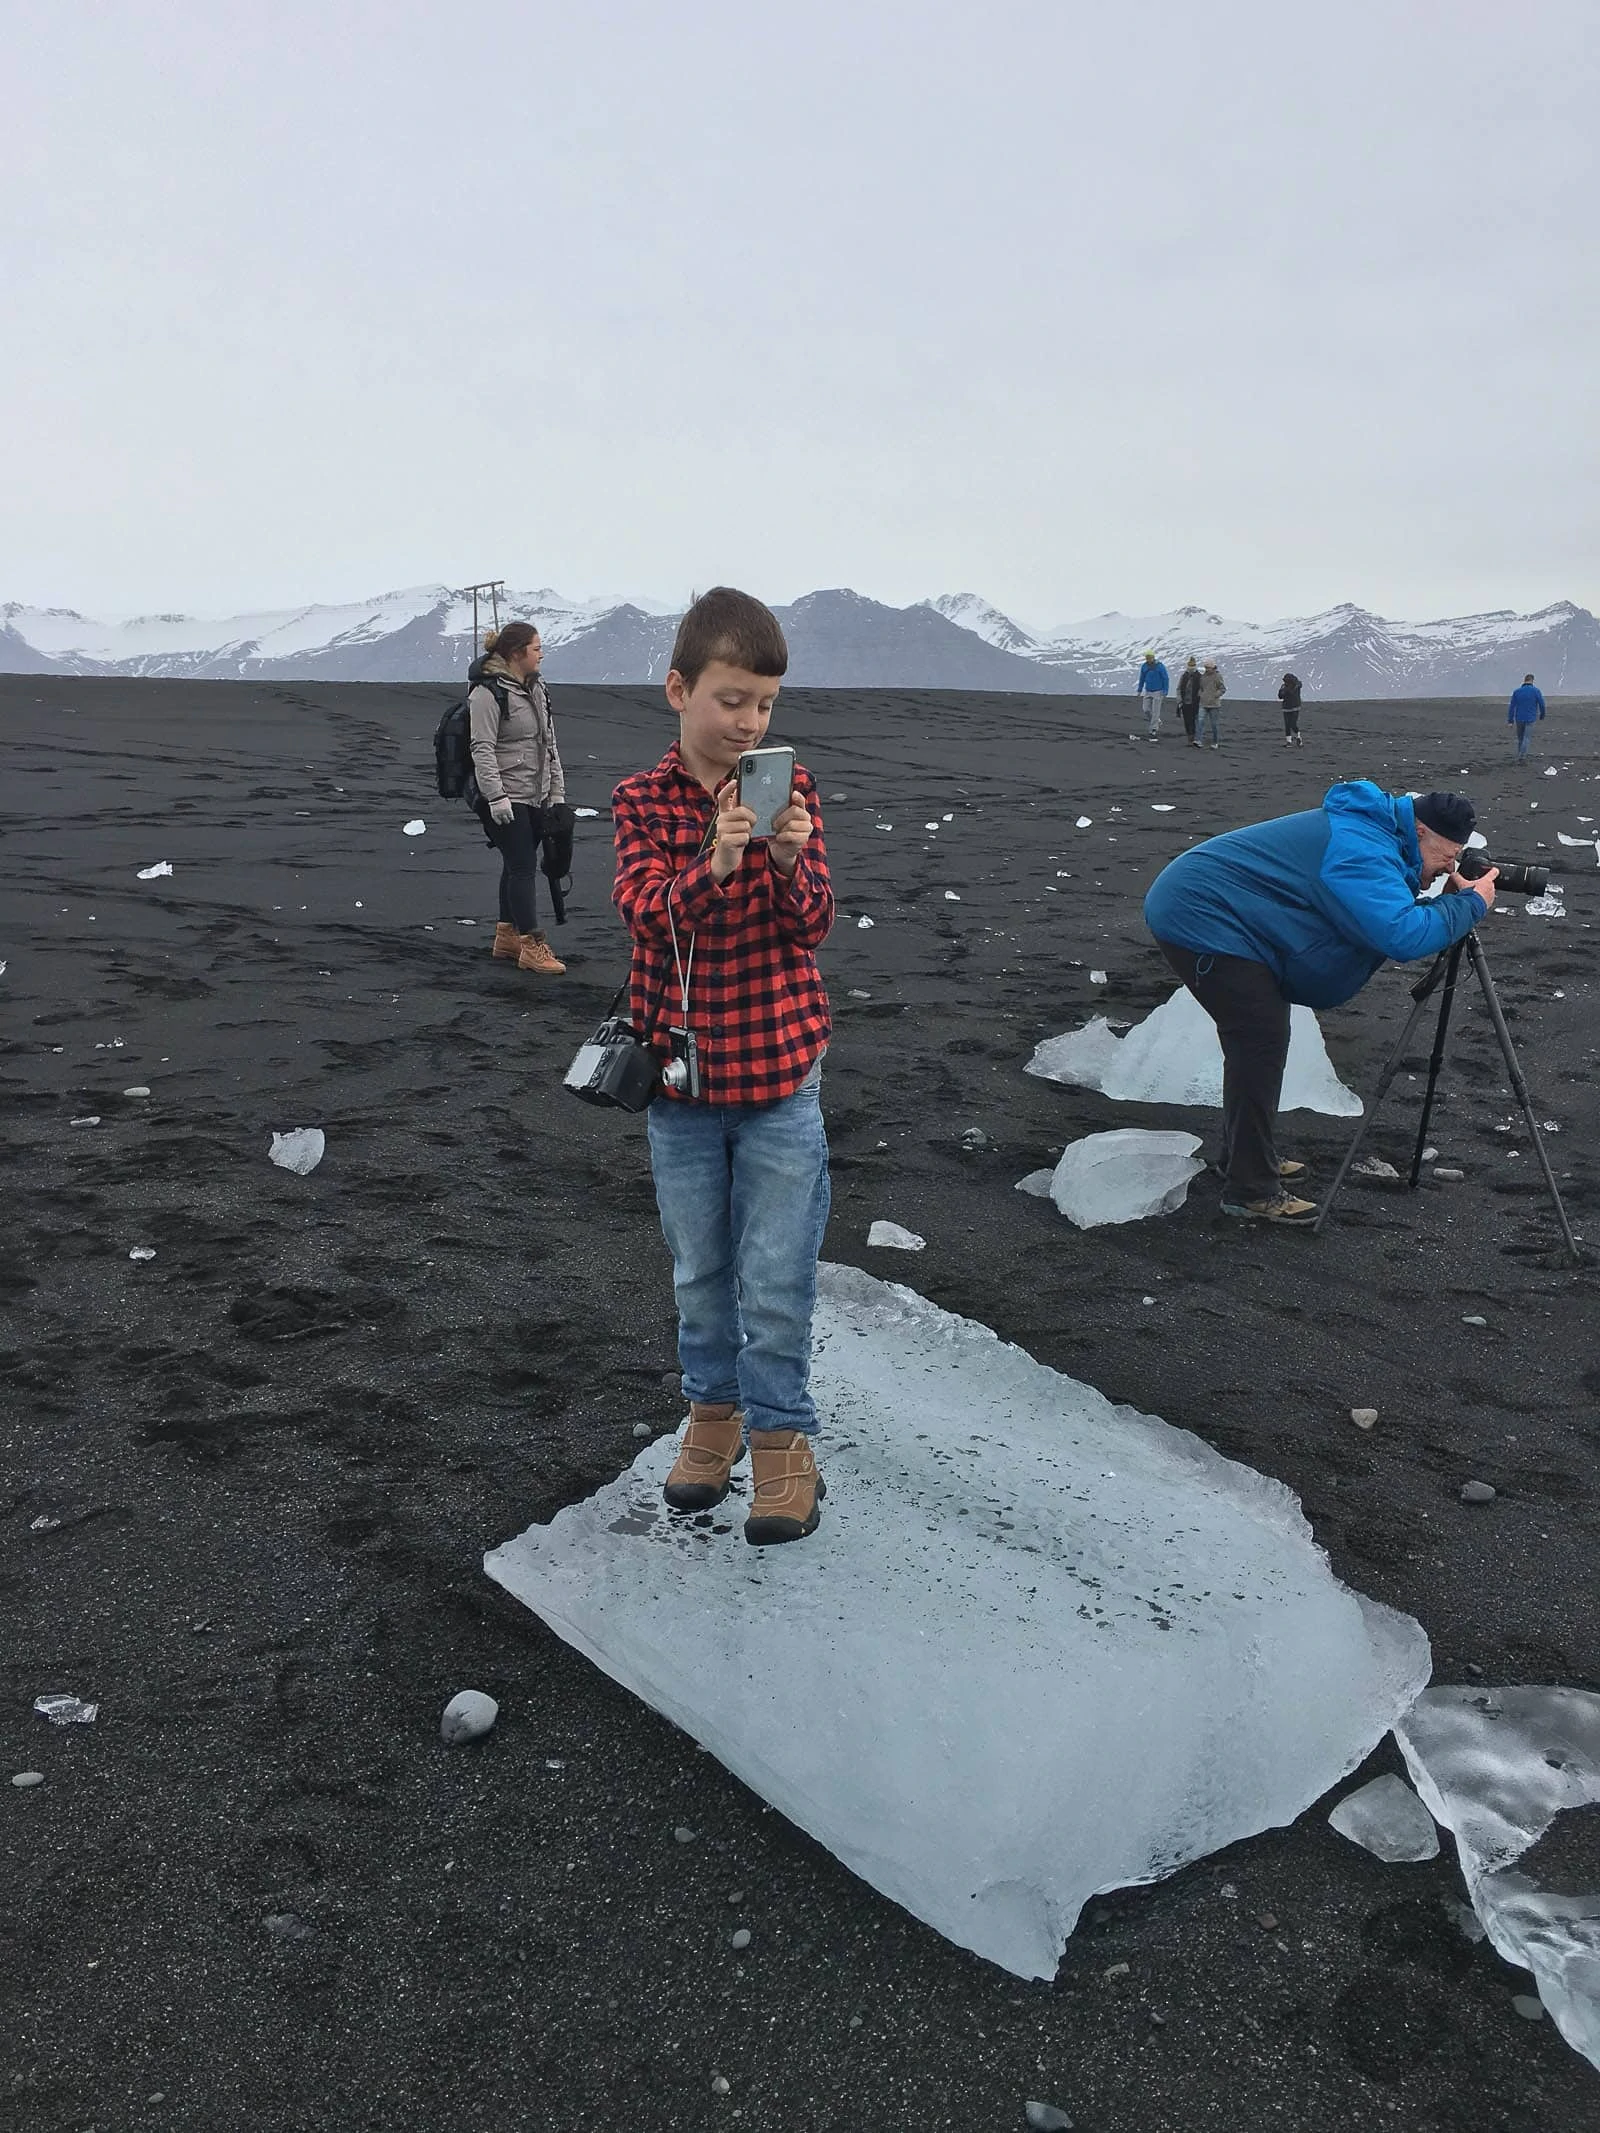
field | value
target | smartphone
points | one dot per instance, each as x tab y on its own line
766	784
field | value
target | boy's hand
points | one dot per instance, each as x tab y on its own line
735	826
790	832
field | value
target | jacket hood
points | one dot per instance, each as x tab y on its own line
491	663
1359	800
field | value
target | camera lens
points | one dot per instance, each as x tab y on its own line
675	1074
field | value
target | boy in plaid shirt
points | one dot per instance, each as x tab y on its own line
741	1173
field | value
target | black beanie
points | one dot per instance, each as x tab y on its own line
1450	815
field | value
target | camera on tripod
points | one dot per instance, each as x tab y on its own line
1515	878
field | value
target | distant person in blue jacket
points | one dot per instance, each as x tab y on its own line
1304	909
1524	712
1153	690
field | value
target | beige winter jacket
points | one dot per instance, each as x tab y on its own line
515	758
1212	690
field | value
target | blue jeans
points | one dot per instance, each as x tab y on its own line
1209	717
1524	736
744	1194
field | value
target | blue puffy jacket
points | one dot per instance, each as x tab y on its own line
1527	704
1321	898
1153	679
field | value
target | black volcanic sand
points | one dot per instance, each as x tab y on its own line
248	1485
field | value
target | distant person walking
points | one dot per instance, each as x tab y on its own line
1212	690
1289	697
1524	712
1189	698
1153	689
518	768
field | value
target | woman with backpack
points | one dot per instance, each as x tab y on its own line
518	768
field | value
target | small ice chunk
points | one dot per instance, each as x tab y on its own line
1085	821
865	924
299	1150
1125	1176
66	1710
1515	1772
1066	1645
141	1252
947	818
1387	1819
586	814
92	1119
467	1716
138	1089
1550	773
1161	807
883	825
950	897
1174	1057
416	828
1037	1182
1549	906
930	825
155	873
895	1239
1373	1166
1098	977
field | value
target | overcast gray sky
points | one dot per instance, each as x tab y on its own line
1077	307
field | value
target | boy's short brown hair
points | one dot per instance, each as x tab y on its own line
727	624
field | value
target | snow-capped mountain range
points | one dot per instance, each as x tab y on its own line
837	639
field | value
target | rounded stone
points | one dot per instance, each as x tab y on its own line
467	1716
1477	1492
741	1939
24	1779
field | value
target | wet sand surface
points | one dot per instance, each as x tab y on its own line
247	1484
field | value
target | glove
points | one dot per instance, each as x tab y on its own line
500	810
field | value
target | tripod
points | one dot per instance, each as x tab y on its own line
1446	969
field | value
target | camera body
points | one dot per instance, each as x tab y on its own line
614	1068
1513	876
681	1073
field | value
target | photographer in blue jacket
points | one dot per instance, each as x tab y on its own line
1303	910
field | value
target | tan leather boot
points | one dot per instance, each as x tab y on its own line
712	1447
786	1501
537	954
507	943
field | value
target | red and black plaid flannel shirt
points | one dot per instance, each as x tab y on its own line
757	1004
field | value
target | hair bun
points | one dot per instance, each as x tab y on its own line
490	642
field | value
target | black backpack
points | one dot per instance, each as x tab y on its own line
452	739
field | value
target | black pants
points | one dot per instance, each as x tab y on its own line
517	842
1190	712
1291	721
1252	1018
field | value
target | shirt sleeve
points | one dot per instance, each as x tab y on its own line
803	905
646	876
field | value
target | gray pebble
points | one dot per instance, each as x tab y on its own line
720	2084
741	1939
974	1137
1471	1318
682	1835
1115	1970
736	1896
1045	2118
643	1429
283	1925
467	1717
1449	1176
1529	2006
1477	1492
25	1778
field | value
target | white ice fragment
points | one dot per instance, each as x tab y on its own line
930	825
1505	1769
1037	1182
1061	1646
141	1252
1550	773
4	967
950	897
137	1090
1549	906
865	924
947	818
467	1716
1085	821
1174	1057
1161	807
586	814
299	1150
91	1120
1124	1176
66	1710
1098	977
1387	1819
155	873
883	825
416	828
895	1239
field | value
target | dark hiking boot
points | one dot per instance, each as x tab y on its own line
712	1447
786	1501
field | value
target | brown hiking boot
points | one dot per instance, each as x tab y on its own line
537	954
712	1447
507	943
1284	1209
786	1501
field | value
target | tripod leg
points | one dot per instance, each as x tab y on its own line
1386	1074
1435	1060
1514	1069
